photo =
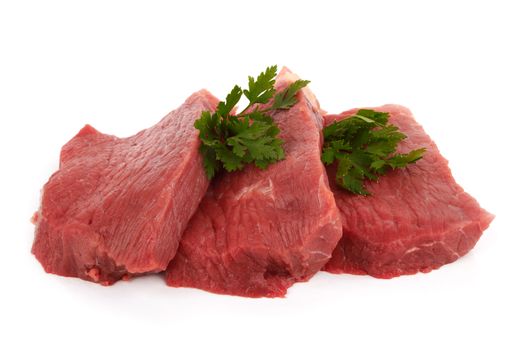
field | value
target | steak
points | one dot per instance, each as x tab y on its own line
118	206
256	232
416	219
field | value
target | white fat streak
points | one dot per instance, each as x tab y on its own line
318	252
425	245
263	187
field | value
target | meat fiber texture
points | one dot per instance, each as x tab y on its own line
118	206
257	232
416	218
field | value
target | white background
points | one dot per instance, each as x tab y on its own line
121	66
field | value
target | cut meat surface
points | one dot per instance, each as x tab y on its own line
416	219
257	232
118	206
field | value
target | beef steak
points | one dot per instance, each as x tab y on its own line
118	206
416	219
256	232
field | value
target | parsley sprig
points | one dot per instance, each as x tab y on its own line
230	141
363	146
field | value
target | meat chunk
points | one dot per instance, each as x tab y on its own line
416	219
257	232
118	206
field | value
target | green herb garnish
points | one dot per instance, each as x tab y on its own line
231	141
363	146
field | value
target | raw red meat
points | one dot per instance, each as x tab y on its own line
257	232
416	219
117	207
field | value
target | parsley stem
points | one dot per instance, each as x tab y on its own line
260	111
244	110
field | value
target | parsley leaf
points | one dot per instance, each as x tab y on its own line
363	146
224	108
230	141
286	98
262	89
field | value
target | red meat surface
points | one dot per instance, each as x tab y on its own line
118	206
416	219
256	232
